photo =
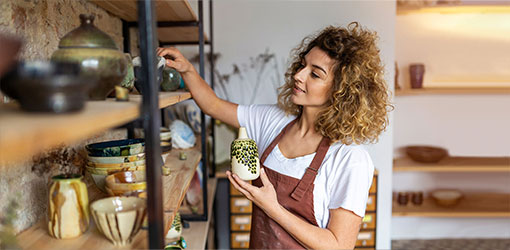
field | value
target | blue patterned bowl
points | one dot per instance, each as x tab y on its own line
116	148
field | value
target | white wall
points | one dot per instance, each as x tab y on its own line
244	29
471	47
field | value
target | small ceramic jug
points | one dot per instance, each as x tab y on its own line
175	230
244	157
68	202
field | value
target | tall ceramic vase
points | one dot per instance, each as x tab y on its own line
68	202
244	157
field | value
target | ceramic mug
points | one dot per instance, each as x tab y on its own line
68	214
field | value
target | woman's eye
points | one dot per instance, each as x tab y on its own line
315	75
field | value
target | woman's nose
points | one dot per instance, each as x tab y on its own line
299	76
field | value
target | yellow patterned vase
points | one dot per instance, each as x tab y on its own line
68	202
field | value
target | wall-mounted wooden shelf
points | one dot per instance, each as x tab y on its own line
455	164
471	205
24	134
166	11
482	7
174	189
453	91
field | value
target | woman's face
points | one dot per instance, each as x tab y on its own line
314	79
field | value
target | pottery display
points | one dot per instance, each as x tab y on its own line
244	157
97	55
129	80
119	218
137	63
42	86
99	174
447	197
116	159
117	165
116	148
68	214
171	79
416	72
426	154
175	230
126	183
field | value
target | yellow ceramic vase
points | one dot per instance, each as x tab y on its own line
68	214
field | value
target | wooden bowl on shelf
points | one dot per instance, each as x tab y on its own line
446	197
426	154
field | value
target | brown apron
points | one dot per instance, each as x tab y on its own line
293	194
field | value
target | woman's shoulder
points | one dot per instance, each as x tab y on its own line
349	155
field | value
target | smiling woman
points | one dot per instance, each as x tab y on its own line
315	177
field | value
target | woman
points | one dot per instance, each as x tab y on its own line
315	177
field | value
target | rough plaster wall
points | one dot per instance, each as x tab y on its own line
42	24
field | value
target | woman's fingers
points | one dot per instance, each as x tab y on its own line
263	178
238	187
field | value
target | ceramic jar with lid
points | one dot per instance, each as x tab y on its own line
97	54
68	202
244	157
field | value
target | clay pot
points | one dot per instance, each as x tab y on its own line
244	157
416	72
68	206
171	79
97	55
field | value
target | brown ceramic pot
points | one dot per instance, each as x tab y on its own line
416	72
97	54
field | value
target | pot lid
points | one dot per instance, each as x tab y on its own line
87	36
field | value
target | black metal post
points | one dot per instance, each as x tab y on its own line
203	131
211	60
150	114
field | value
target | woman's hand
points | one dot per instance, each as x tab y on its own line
264	197
176	60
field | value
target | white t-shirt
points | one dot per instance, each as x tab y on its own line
345	175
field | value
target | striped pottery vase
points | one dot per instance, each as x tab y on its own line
244	157
68	202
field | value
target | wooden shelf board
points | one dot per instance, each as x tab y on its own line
174	188
179	34
463	8
24	134
166	10
471	205
196	234
453	91
455	164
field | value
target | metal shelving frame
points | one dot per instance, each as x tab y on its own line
151	116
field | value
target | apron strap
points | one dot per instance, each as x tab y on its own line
275	141
311	171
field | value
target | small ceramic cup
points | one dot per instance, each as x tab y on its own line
416	72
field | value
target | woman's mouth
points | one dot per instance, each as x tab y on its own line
298	89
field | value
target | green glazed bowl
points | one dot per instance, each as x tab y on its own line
116	148
116	159
117	165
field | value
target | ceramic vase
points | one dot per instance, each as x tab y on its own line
175	230
68	214
244	157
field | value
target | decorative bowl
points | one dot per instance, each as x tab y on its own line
99	174
126	183
119	218
447	197
96	53
116	148
165	134
140	193
166	146
426	154
116	159
42	86
117	165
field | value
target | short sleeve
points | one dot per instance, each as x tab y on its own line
258	119
352	182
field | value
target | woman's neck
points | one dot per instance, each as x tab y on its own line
306	123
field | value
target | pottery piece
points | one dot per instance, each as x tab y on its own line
8	52
426	154
116	148
165	134
68	214
97	55
447	197
119	218
42	86
117	165
99	174
175	230
129	80
127	183
171	79
416	72
244	157
137	63
121	94
116	159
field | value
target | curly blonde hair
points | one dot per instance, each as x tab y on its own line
358	105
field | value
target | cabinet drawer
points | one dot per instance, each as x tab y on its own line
366	239
240	222
368	221
240	240
373	187
371	202
240	205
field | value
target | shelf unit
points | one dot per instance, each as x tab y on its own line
455	164
466	7
471	205
454	91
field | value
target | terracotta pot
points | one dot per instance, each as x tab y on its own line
97	54
416	72
244	157
68	214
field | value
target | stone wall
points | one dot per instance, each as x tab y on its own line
41	23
